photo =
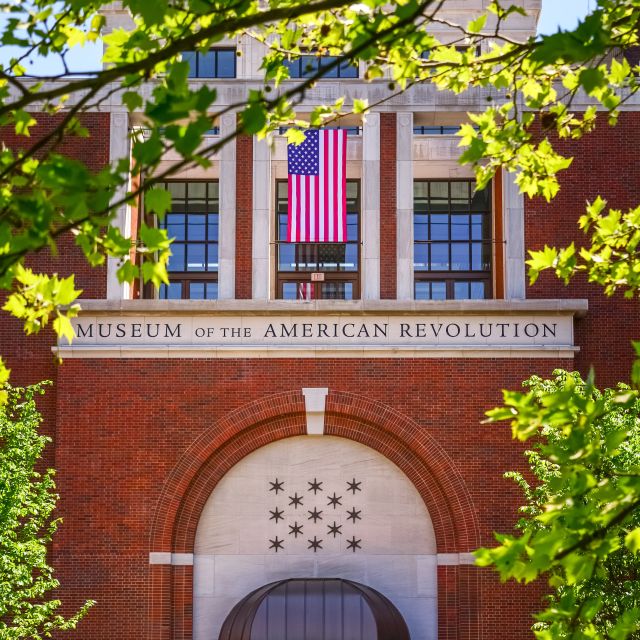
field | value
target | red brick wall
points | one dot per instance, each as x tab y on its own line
388	232
30	358
604	164
94	151
244	215
130	438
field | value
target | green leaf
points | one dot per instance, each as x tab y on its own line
477	25
632	540
157	201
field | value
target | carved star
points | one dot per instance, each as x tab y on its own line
354	544
276	544
334	529
314	544
277	514
295	500
315	486
315	514
334	500
295	529
354	515
354	486
276	486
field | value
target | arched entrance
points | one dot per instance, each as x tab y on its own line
202	466
314	609
321	508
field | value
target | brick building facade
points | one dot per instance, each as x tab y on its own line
174	413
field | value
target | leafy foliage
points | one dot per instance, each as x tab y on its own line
45	193
581	521
611	260
27	524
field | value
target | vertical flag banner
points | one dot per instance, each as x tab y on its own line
317	170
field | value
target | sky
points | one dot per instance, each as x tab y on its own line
555	14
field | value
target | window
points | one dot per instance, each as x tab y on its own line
352	130
308	65
436	130
452	240
460	48
193	225
340	263
215	63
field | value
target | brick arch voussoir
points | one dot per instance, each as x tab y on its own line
286	409
419	456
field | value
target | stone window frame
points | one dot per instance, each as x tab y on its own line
287	277
450	278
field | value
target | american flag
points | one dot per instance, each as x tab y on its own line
318	187
305	291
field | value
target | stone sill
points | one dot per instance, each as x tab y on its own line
575	307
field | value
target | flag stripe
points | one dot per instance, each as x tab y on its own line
317	210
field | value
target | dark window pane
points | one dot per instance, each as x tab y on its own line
286	261
420	256
293	66
175	226
438	290
461	290
212	257
439	227
211	291
190	57
196	227
178	190
171	292
421	227
213	228
331	257
348	70
459	227
206	65
478	291
476	257
352	227
308	66
226	63
351	258
325	61
422	291
290	291
195	257
460	257
481	200
477	226
439	257
176	259
196	290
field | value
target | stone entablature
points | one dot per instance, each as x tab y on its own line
485	328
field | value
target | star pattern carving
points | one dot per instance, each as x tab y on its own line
315	514
276	514
354	514
314	507
276	544
295	500
354	544
334	500
354	486
276	486
315	544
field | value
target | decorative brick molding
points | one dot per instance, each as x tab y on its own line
282	415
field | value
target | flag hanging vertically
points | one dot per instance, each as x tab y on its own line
318	187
